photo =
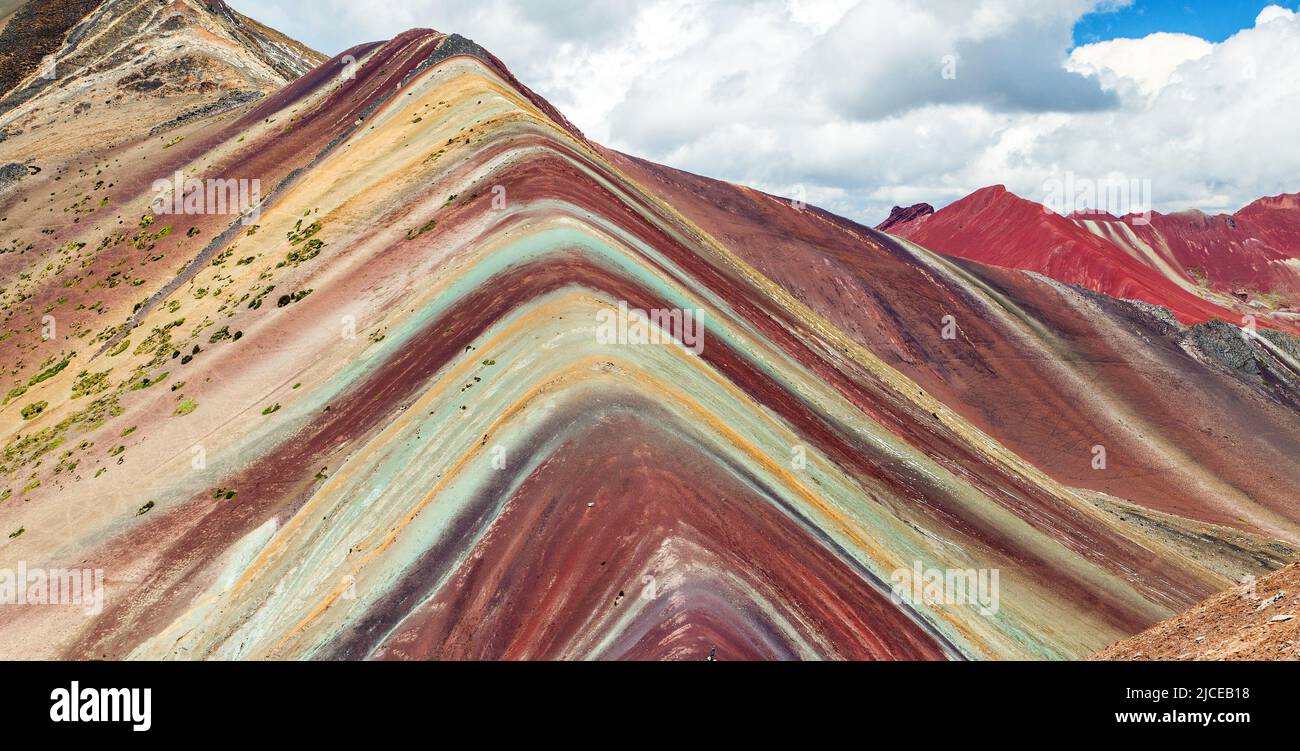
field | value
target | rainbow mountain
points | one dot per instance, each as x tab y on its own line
367	406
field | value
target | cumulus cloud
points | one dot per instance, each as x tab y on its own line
1272	13
862	104
886	57
1209	131
1146	64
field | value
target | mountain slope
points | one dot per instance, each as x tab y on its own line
1256	620
378	417
1193	420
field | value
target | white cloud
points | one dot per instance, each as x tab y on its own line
1146	63
1271	13
848	98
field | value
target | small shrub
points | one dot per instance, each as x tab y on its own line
411	234
34	409
50	372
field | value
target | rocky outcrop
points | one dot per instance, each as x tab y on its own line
111	64
899	216
34	32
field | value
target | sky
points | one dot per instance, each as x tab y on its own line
1212	20
860	105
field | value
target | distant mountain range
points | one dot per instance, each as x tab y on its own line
1199	266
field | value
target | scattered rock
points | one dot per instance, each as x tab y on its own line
1223	342
229	101
1159	312
1224	627
1275	598
11	173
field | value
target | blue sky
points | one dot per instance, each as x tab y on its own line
1212	20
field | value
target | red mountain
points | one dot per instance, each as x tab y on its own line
1198	266
1248	255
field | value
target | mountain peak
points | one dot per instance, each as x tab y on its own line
995	226
109	66
1283	202
995	195
900	215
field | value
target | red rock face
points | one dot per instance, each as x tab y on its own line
1198	266
1234	254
